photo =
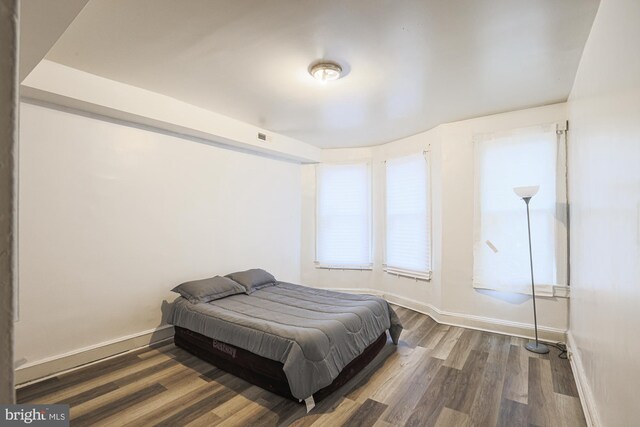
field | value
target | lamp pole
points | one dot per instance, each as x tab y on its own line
536	347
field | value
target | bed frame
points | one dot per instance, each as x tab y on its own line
263	372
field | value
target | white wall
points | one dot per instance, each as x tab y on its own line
112	217
324	277
604	111
449	296
376	278
458	294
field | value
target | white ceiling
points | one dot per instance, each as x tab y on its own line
42	22
412	64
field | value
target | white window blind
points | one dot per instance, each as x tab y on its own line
408	234
526	157
343	217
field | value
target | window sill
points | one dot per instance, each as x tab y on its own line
561	291
542	291
344	267
426	277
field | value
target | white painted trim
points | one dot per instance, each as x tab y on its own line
584	390
49	366
344	267
54	365
488	324
409	274
561	291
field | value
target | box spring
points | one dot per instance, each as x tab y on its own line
263	372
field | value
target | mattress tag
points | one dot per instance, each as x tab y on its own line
310	403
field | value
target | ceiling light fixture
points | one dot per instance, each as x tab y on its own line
326	71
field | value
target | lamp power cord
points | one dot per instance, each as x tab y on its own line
560	346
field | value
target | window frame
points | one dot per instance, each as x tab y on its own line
400	272
560	288
332	266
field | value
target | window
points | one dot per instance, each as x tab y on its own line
533	156
343	216
408	234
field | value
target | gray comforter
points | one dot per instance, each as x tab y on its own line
313	332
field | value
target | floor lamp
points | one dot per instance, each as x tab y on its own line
526	193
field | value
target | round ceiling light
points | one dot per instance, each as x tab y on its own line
326	71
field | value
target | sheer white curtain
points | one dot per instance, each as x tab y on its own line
343	215
407	225
532	156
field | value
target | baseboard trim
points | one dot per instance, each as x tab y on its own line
54	365
481	323
584	390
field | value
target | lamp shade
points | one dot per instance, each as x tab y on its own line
526	192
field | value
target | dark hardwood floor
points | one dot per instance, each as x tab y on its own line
439	375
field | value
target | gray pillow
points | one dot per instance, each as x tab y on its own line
253	279
206	290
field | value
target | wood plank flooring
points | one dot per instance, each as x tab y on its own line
438	375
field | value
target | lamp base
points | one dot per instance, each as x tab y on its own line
537	348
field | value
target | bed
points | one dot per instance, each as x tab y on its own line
296	341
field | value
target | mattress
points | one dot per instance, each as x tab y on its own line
314	333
